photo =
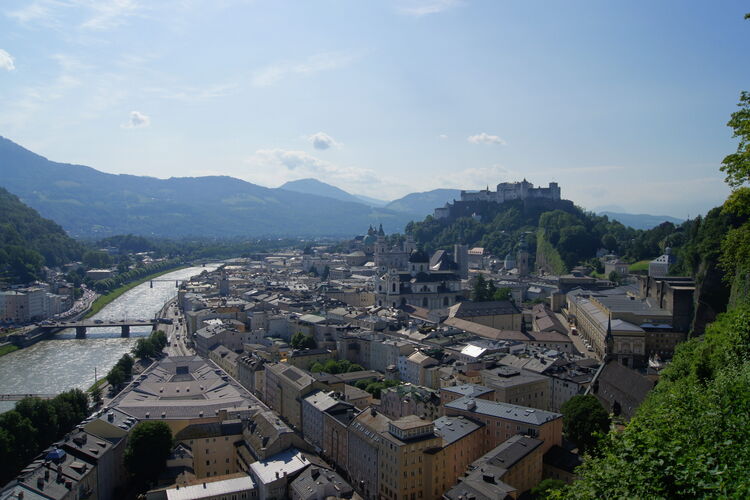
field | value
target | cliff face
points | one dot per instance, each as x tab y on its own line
711	295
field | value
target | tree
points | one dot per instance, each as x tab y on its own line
609	241
542	490
20	442
146	454
503	293
614	277
584	420
737	165
490	291
302	341
116	377
42	416
96	395
479	292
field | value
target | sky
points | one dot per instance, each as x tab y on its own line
624	104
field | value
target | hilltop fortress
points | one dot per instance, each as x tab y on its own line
506	191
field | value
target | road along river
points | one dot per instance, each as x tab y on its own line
64	362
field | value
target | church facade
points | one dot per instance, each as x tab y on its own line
418	283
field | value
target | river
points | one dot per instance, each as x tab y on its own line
64	362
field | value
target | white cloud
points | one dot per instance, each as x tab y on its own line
485	138
6	61
94	14
322	141
273	167
137	120
419	8
109	14
319	62
443	137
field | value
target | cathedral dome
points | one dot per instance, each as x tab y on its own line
419	256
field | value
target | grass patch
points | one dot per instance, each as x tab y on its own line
7	349
106	299
639	267
96	384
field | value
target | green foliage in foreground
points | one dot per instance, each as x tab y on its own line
691	437
33	425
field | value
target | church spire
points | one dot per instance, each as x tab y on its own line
609	340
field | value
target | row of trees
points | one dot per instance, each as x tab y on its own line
105	285
33	425
121	372
151	346
376	388
336	366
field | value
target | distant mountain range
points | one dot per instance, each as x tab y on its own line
418	205
641	221
424	203
90	203
318	188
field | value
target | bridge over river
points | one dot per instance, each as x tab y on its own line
19	397
82	325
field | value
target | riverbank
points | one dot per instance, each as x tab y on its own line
7	349
104	300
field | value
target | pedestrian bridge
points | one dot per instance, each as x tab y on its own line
19	397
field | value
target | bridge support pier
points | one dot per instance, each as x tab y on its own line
80	332
125	332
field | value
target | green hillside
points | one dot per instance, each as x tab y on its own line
28	241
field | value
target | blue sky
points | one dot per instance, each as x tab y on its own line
623	103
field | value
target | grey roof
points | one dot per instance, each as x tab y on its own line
321	400
491	308
511	451
451	429
472	390
619	384
318	482
211	489
162	391
523	414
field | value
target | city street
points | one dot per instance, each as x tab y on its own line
176	333
576	339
